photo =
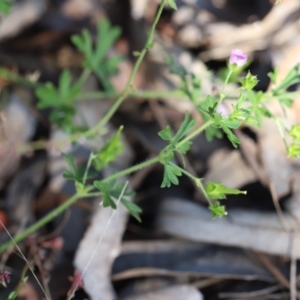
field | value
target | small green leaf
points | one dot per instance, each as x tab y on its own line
136	53
150	45
25	279
166	134
111	192
295	132
171	174
212	132
105	189
286	100
133	209
96	56
61	99
48	96
184	148
166	157
207	107
184	128
231	136
249	81
12	295
217	210
273	75
74	173
112	149
252	122
172	4
294	150
292	77
231	123
217	190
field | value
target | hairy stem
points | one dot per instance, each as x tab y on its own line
128	87
195	133
71	201
222	93
40	223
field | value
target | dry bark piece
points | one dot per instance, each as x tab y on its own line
274	158
77	9
22	15
250	152
241	228
258	35
17	126
177	292
21	194
229	168
96	279
185	259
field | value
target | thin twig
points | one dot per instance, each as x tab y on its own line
274	271
25	259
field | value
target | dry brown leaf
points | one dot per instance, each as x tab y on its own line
241	228
229	168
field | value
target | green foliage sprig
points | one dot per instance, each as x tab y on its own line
5	6
249	109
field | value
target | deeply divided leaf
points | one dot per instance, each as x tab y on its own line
106	194
97	56
111	150
133	209
75	173
184	128
112	191
171	174
166	134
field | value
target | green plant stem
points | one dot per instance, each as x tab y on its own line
281	129
200	185
90	195
89	189
137	94
132	169
22	281
104	80
84	76
195	133
96	129
15	78
197	181
128	87
71	201
222	94
191	176
41	222
91	157
241	99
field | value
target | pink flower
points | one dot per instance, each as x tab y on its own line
237	57
4	278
